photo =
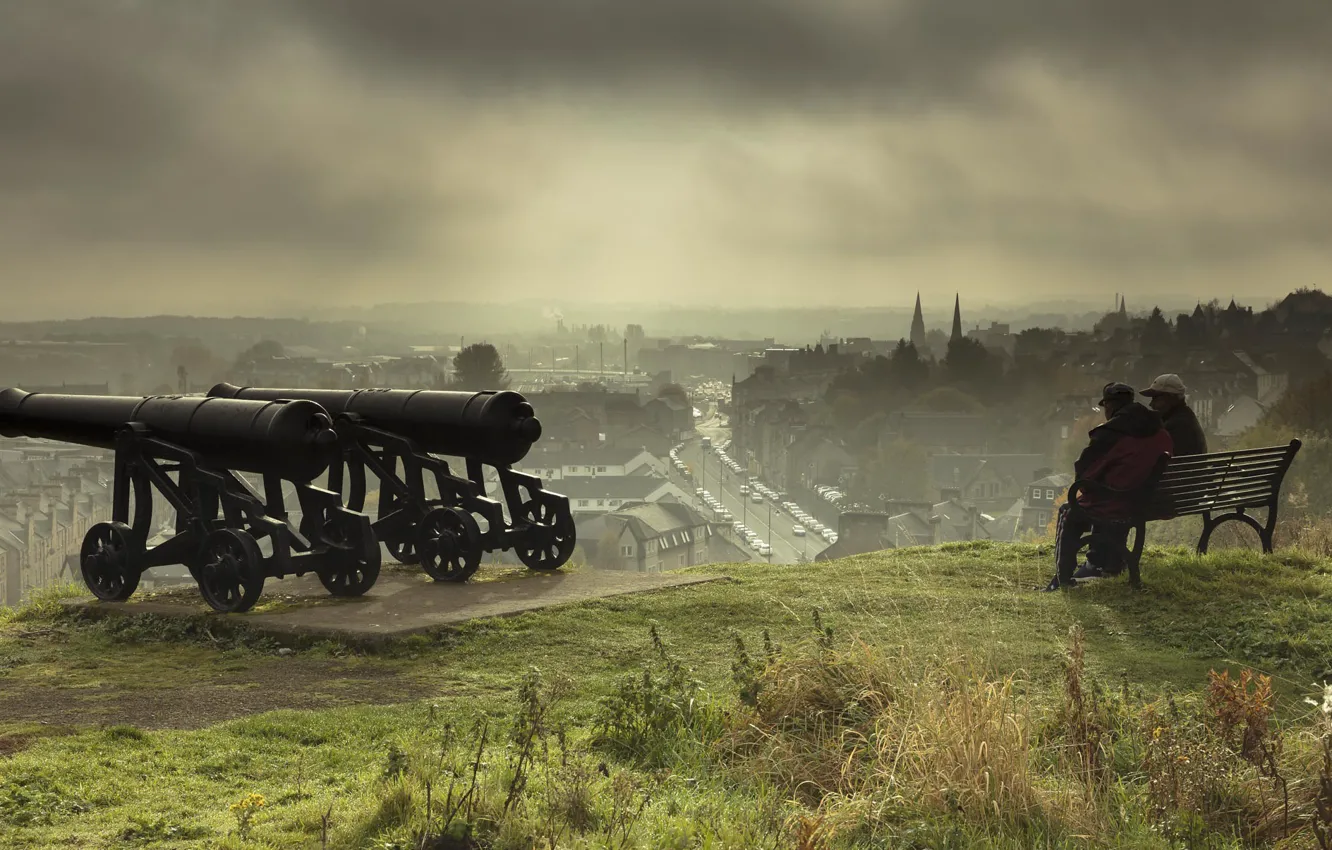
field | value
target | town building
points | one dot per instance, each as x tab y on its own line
646	538
612	461
604	493
990	481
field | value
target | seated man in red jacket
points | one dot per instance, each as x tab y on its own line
1121	454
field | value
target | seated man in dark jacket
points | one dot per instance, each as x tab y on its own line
1121	454
1167	395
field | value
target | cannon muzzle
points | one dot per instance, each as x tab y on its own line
496	428
292	439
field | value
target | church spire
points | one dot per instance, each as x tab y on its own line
957	319
1123	306
918	327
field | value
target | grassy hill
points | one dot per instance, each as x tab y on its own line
918	698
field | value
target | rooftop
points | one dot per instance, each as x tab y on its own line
623	487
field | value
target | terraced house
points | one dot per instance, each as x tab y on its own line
49	498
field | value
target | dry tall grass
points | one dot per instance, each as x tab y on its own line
861	734
866	739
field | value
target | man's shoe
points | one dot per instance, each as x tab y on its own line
1055	585
1090	571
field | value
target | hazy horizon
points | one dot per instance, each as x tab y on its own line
235	157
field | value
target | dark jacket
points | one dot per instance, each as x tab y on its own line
1121	454
1185	431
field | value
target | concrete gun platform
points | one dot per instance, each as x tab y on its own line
404	601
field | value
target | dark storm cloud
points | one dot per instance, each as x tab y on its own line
141	122
399	141
886	49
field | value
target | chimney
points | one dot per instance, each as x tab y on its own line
13	507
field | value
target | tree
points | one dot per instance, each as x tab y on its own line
200	365
901	471
948	400
1157	334
970	366
263	350
1071	449
480	367
907	371
1305	409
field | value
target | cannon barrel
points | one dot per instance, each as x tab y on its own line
294	440
496	428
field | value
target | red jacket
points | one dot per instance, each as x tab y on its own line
1122	454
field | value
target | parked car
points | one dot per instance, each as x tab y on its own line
798	531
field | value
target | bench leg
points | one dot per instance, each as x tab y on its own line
1208	528
1269	529
1210	525
1134	555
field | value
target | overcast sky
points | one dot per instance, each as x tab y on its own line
237	156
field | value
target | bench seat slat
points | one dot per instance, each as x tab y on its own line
1214	507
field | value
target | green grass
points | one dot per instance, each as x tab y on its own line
113	766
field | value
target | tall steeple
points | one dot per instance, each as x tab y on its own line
957	319
1123	306
918	327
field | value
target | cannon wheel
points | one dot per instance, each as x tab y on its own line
550	537
449	544
403	551
107	561
358	559
231	571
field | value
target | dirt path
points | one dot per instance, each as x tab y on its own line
196	702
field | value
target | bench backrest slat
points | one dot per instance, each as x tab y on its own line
1226	480
1226	457
1197	479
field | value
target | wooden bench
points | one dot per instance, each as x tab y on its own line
1221	487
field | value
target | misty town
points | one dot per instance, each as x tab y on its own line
497	425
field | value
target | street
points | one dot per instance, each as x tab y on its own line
787	548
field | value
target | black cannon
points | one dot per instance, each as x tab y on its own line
190	450
395	434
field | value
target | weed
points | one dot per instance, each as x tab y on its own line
245	810
652	714
145	830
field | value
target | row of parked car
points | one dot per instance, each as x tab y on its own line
831	494
756	491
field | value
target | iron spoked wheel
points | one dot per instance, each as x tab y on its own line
551	537
403	551
449	544
231	571
107	561
357	558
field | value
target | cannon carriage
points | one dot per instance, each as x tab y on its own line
191	452
395	436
